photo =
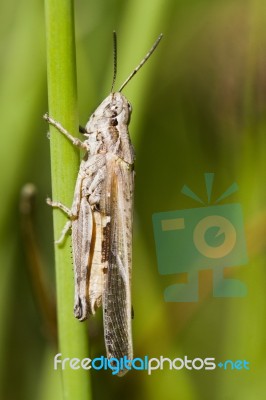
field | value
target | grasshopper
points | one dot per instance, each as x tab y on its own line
101	218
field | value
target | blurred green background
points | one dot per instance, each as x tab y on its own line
199	106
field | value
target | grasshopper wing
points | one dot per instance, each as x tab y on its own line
117	250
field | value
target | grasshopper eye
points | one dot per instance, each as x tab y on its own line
116	108
112	110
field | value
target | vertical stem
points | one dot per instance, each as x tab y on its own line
62	94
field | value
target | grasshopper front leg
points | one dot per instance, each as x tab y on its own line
75	141
56	204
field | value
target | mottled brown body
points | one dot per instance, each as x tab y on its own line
101	219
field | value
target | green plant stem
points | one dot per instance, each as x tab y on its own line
62	93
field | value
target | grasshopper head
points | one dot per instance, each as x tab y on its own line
114	110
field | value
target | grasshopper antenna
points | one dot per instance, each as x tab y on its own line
142	62
115	59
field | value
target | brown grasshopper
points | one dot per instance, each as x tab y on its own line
101	218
